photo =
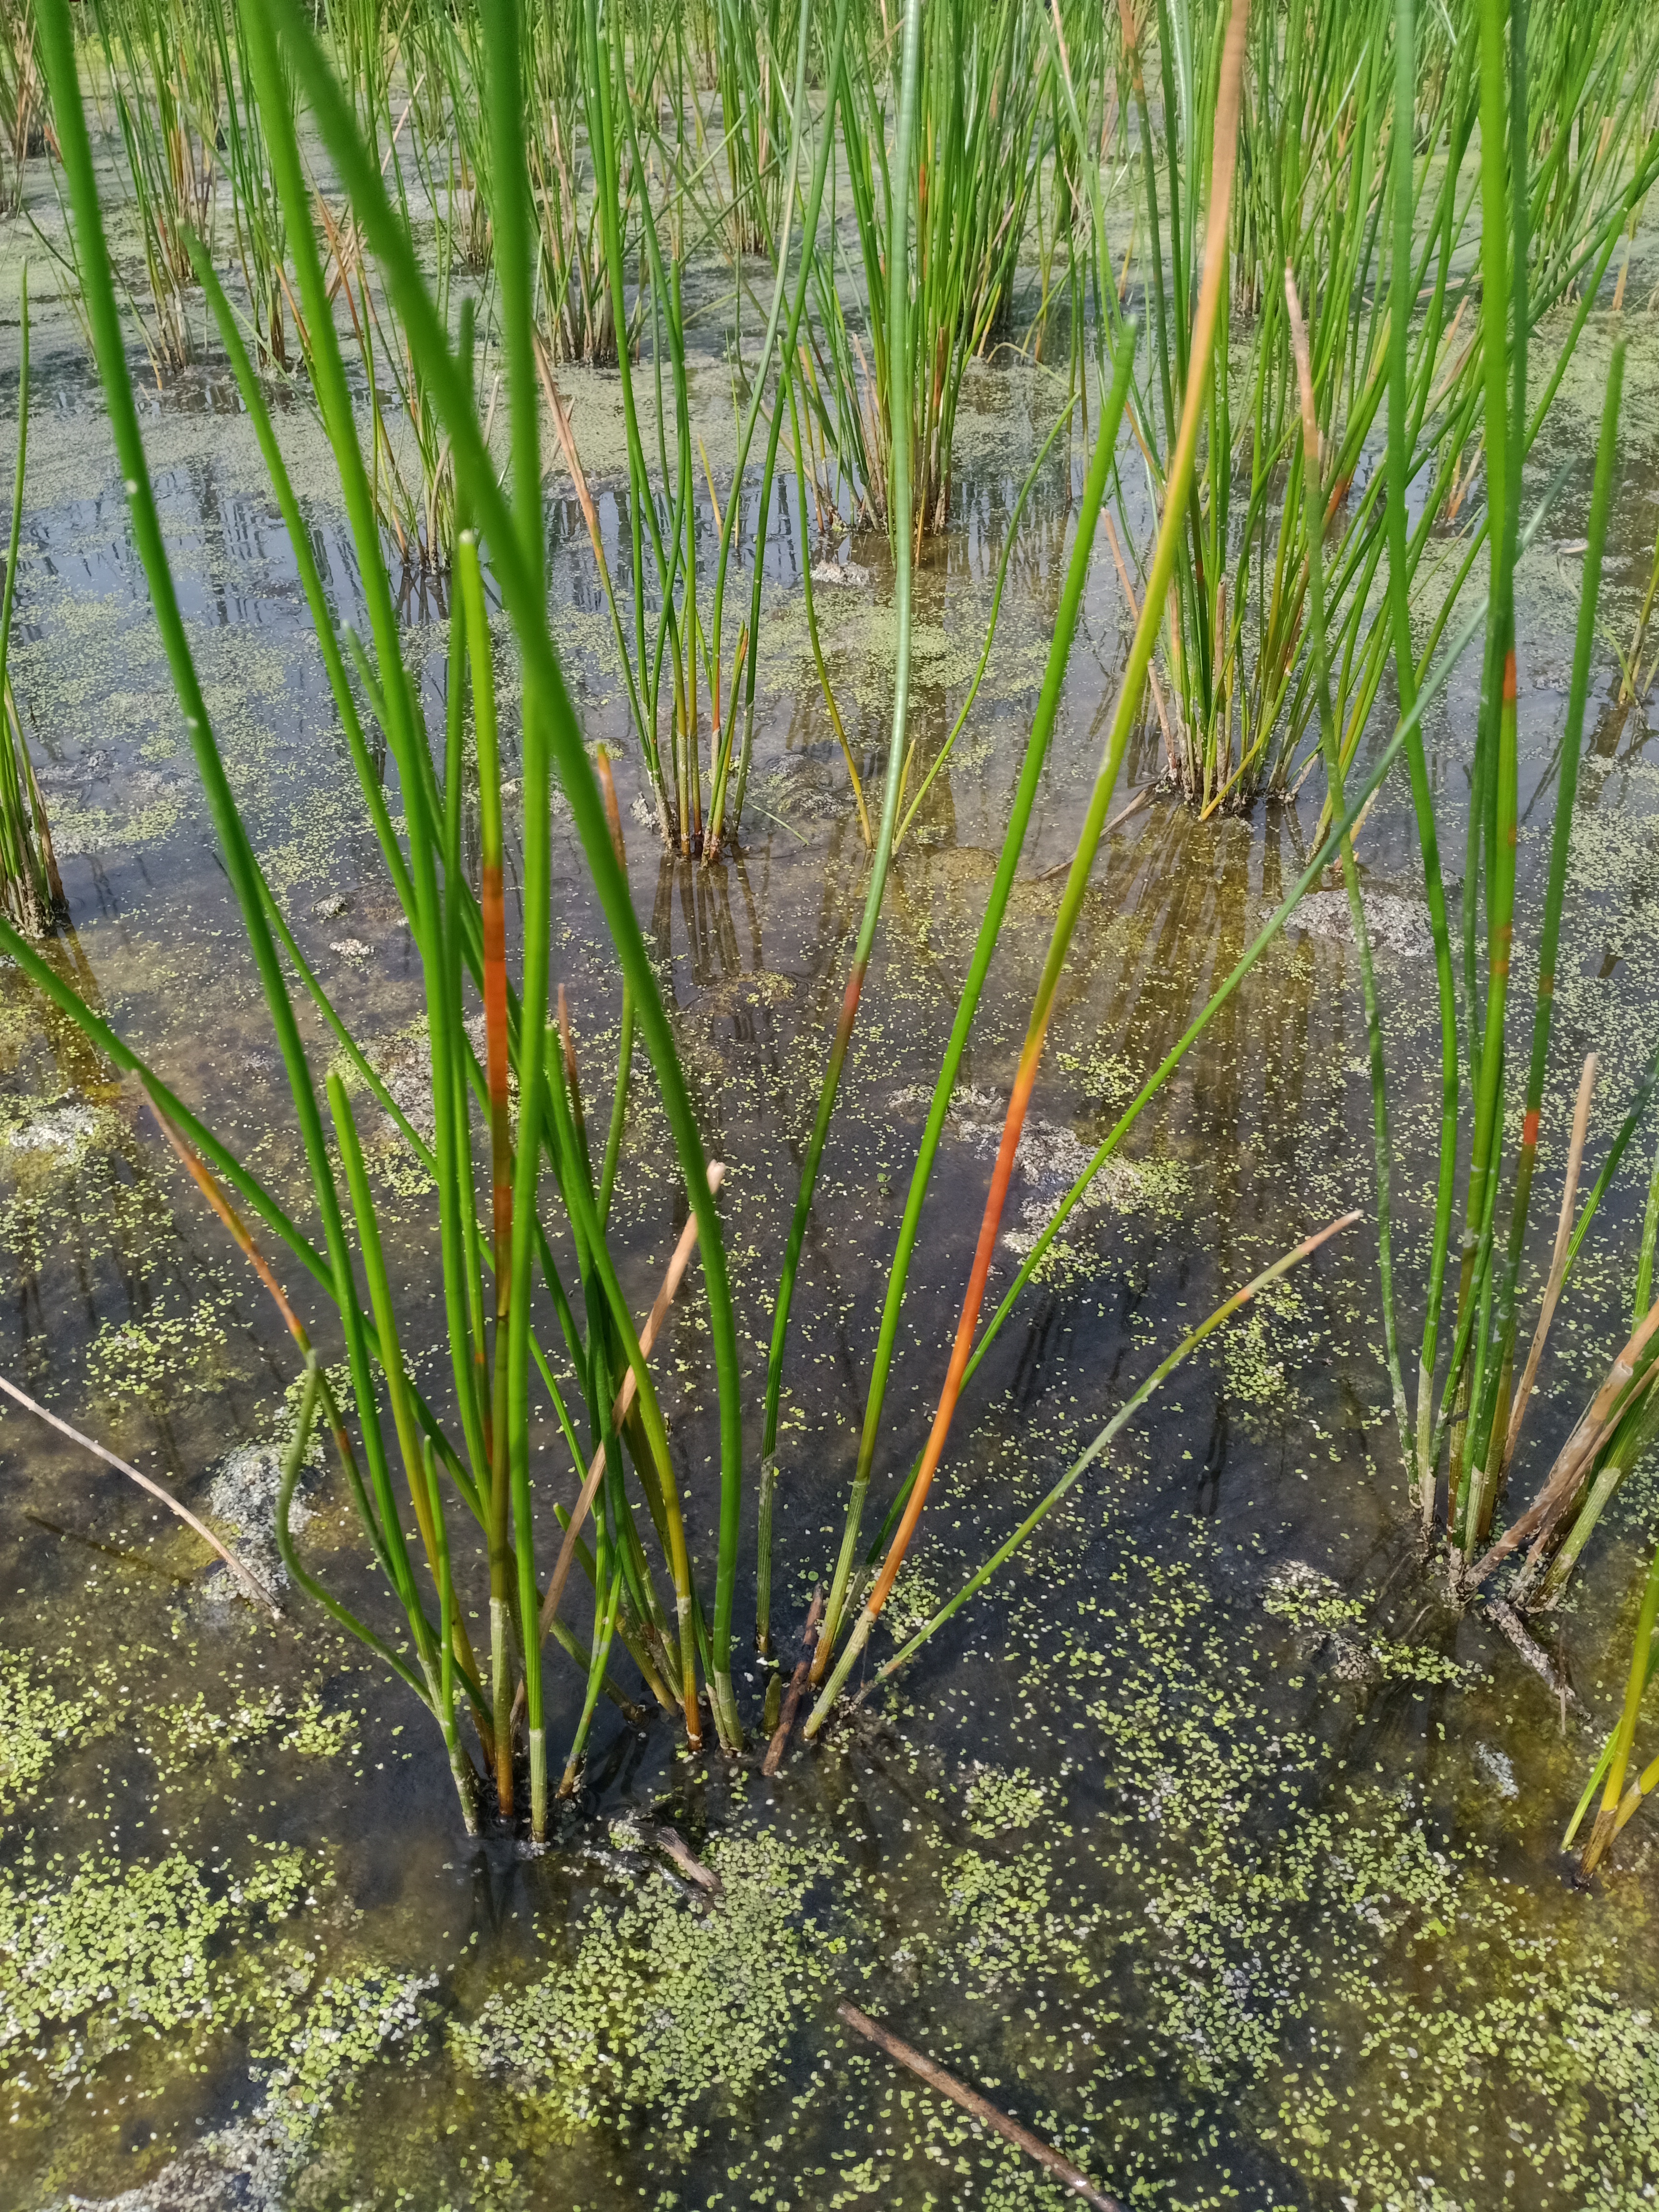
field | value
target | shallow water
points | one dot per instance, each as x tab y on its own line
1212	1843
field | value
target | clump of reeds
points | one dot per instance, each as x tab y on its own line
162	58
1473	1411
22	99
1461	1417
1307	211
30	886
517	1174
481	1472
975	150
1339	138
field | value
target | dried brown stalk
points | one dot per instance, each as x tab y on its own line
671	1283
673	1846
1069	2176
1558	1274
1578	1455
797	1691
254	1587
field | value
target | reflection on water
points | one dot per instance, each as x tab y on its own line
1212	1843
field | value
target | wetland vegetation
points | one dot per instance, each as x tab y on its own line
826	943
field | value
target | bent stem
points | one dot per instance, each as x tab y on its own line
1119	1421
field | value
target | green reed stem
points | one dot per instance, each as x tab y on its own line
27	872
459	1765
503	1177
901	524
393	698
833	83
511	216
985	945
1624	1735
1492	1450
1313	491
1493	823
1603	1762
1414	1443
295	1566
723	722
1124	717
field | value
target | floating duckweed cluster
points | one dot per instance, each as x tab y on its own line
1187	1900
997	1801
310	2051
194	1726
1255	1352
664	2006
168	1355
1308	1600
35	1725
916	1598
97	1953
998	1911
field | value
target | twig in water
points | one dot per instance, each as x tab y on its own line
256	1588
673	1846
1142	797
1069	2176
809	1642
1534	1653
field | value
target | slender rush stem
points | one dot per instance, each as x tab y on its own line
1402	286
679	1263
899	510
1173	521
497	1380
985	945
1313	493
1494	819
1495	1453
722	728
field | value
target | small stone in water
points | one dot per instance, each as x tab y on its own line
847	573
60	1129
1499	1768
1397	924
62	774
